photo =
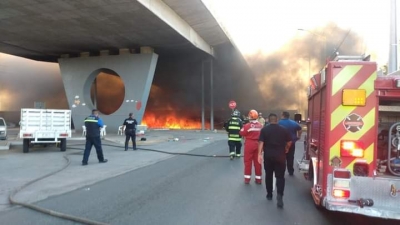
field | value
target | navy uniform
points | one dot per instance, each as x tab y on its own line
130	131
295	132
233	127
93	123
274	143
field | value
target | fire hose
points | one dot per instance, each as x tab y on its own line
173	153
48	211
75	218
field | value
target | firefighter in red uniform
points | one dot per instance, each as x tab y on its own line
251	133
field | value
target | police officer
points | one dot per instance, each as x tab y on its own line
233	127
130	131
93	123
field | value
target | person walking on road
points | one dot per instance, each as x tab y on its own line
251	133
233	127
274	143
129	126
93	123
295	132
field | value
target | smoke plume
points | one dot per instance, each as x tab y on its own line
283	76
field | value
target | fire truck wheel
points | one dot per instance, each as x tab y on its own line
25	147
63	145
319	206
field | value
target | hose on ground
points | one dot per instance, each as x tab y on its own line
79	219
159	151
48	211
172	153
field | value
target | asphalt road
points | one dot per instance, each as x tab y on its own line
187	190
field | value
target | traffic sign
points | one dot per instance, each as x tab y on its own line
232	104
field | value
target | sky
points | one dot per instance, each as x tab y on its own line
267	26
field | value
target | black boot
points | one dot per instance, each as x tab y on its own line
279	201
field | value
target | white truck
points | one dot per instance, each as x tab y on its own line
45	126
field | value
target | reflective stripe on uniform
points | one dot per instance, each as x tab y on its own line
234	128
234	139
254	129
258	177
232	153
247	176
94	121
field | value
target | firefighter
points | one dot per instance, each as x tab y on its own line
261	119
251	133
295	132
233	127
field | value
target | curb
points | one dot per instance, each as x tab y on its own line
5	147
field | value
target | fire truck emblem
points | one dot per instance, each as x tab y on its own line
353	123
336	161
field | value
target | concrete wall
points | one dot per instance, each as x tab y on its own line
136	70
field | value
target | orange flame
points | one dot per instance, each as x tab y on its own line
170	121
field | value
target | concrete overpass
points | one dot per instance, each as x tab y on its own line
122	36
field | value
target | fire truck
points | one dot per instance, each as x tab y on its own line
352	146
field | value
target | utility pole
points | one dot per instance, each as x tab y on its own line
392	67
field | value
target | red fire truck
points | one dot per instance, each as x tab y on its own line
352	147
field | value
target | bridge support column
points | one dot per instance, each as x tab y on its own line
136	71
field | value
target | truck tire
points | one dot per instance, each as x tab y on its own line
319	206
63	145
25	147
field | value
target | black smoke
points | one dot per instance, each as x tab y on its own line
283	76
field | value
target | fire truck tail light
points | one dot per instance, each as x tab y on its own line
338	193
27	135
343	174
351	149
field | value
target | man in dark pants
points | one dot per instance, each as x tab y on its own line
93	123
295	132
274	143
130	131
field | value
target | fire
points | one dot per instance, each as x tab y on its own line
171	121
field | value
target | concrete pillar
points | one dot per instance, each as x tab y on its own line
136	70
